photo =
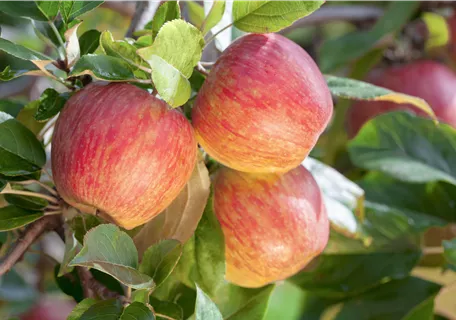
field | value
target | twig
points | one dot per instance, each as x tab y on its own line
27	182
93	288
163	316
141	9
30	235
47	127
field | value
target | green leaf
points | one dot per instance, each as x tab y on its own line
172	57
21	52
72	9
26	202
137	311
359	90
70	283
106	310
112	251
103	67
160	260
167	308
82	307
449	253
337	52
423	311
125	51
51	102
9	74
167	11
143	41
72	247
89	41
393	300
270	16
25	9
421	204
172	86
213	17
342	275
255	308
3	184
44	31
49	8
81	224
180	44
12	217
195	13
407	147
11	107
205	253
20	152
205	308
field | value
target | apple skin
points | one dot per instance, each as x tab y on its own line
263	105
119	152
49	309
426	79
274	224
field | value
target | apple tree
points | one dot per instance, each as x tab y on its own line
227	160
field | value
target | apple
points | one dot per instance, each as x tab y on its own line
49	309
121	153
426	79
274	224
263	105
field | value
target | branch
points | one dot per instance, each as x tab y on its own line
30	235
338	13
93	288
144	12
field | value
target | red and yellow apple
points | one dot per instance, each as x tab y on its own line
274	224
428	80
122	153
263	105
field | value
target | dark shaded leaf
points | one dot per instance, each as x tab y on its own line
89	41
51	102
342	275
20	152
392	301
11	107
25	9
12	217
407	147
103	67
69	283
72	9
167	308
160	260
106	310
137	311
82	307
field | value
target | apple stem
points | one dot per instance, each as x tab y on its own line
29	194
207	64
44	186
201	69
29	236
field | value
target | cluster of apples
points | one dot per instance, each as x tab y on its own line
122	153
